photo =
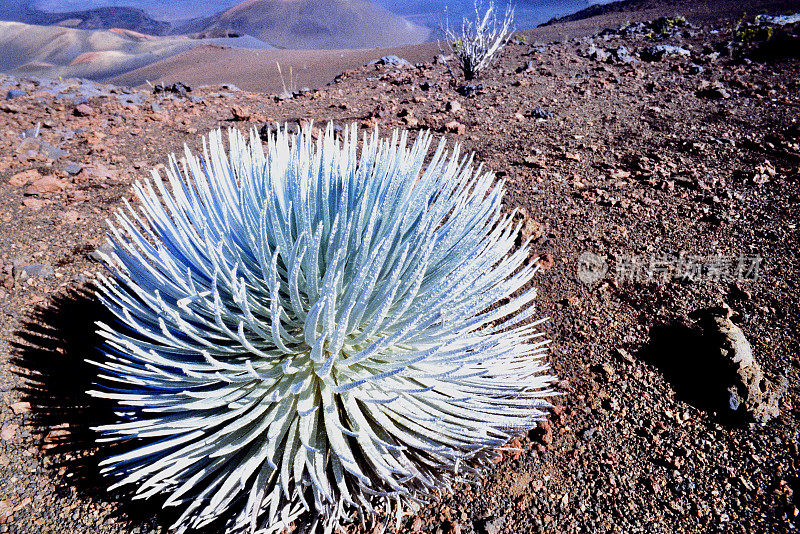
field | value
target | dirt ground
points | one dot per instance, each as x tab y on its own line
644	164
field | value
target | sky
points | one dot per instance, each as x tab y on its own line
527	13
431	13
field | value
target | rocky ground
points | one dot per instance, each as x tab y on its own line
668	151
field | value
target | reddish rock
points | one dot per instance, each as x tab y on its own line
21	407
100	173
6	510
530	229
454	106
455	127
411	121
33	203
5	163
57	435
241	113
71	216
45	184
534	162
545	261
517	445
84	110
543	433
8	431
24	177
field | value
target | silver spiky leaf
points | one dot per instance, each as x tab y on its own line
307	328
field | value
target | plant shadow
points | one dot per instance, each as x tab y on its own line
50	354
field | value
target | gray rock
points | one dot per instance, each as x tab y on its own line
32	146
14	93
50	151
713	90
540	113
130	99
391	60
781	20
72	168
86	90
100	252
659	52
538	48
723	141
633	28
528	67
23	271
694	68
178	88
441	59
596	53
75	99
621	54
155	107
469	89
490	526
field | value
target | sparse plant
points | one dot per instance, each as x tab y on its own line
666	26
313	328
479	41
290	90
749	30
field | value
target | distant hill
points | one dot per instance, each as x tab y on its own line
99	18
700	10
622	6
53	51
318	24
295	24
127	18
161	10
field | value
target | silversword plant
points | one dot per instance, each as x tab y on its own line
313	327
479	41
